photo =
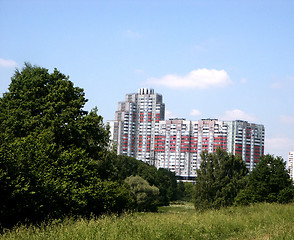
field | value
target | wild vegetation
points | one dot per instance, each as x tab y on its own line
259	221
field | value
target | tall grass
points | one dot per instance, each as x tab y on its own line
261	221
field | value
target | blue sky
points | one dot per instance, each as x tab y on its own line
209	59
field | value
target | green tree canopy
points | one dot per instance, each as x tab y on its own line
163	179
145	195
219	179
38	100
52	152
268	182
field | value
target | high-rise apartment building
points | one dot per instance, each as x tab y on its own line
140	131
291	165
179	143
173	146
135	124
247	140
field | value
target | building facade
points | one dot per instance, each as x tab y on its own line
135	124
173	146
139	130
179	143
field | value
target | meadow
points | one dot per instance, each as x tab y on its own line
178	221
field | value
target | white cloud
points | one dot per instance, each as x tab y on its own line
131	34
243	80
199	79
7	63
279	146
209	44
283	83
287	119
169	114
277	85
198	48
280	143
195	113
237	114
138	71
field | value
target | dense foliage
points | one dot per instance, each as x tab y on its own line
51	151
219	179
223	180
54	158
185	191
144	194
163	179
268	182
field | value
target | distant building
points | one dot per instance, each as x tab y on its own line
246	139
179	143
291	165
140	131
173	147
135	124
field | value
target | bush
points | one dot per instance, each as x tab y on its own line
146	196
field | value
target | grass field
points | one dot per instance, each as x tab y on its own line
261	221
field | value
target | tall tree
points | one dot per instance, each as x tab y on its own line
52	152
268	182
38	100
219	179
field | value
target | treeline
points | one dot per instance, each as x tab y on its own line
223	180
55	158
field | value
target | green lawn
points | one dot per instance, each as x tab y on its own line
179	221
